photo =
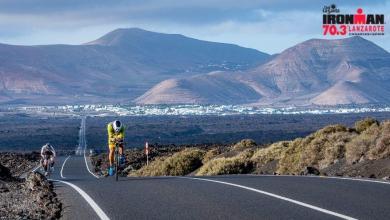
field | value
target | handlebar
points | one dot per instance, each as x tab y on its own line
118	141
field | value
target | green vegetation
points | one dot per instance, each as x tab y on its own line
179	164
373	143
244	144
228	165
319	150
263	156
362	125
332	145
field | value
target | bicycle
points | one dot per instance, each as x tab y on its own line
47	165
117	159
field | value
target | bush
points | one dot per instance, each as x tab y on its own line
362	125
265	155
317	150
244	144
233	165
381	149
382	145
361	144
179	164
291	157
210	155
331	129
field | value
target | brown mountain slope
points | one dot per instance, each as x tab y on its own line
325	72
119	66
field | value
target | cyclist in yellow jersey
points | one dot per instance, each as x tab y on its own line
116	133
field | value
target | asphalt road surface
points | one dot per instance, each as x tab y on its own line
87	196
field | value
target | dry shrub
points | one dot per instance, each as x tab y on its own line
382	146
291	157
210	154
381	149
331	129
265	155
244	144
361	144
180	163
319	150
233	165
362	125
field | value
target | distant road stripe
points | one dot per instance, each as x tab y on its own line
62	168
87	198
277	196
82	141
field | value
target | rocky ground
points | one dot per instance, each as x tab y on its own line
30	198
19	163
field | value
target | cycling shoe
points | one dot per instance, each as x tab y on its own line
122	160
111	171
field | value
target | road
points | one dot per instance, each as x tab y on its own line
86	196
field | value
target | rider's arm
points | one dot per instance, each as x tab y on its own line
110	132
52	150
121	134
42	149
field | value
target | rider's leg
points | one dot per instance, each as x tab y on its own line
121	149
51	162
111	156
44	164
122	155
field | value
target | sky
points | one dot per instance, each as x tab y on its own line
268	26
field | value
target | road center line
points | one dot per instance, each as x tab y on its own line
82	141
276	196
87	198
86	164
63	165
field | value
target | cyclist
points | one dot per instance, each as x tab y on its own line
48	155
116	134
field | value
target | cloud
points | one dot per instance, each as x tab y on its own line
269	26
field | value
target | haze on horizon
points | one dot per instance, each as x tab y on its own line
263	25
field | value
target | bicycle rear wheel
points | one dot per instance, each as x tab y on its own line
116	163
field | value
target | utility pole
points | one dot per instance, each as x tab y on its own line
147	153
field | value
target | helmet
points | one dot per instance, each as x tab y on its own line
47	145
117	125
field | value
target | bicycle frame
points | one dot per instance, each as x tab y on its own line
116	159
47	164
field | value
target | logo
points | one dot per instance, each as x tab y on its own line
330	9
334	23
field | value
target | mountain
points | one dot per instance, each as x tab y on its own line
214	88
117	67
316	72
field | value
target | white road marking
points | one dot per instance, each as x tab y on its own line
87	198
82	142
329	177
277	196
86	164
62	168
24	175
35	169
353	179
